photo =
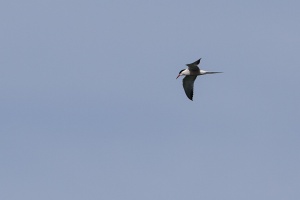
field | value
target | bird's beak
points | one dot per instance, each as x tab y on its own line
178	76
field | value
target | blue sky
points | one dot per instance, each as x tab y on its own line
91	109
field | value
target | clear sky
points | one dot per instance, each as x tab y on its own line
90	107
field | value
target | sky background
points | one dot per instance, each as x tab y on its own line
90	107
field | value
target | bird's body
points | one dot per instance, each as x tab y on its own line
187	72
191	74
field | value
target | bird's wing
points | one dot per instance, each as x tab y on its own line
194	66
188	85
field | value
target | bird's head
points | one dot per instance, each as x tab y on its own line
180	73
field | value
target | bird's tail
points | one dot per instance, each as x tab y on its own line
213	72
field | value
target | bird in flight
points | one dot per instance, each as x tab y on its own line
191	74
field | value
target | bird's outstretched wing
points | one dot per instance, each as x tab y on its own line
194	66
188	85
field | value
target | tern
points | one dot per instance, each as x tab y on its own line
191	74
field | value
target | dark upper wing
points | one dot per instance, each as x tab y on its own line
194	66
188	85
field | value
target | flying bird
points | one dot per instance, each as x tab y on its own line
191	74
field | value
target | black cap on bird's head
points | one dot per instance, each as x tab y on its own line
180	73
